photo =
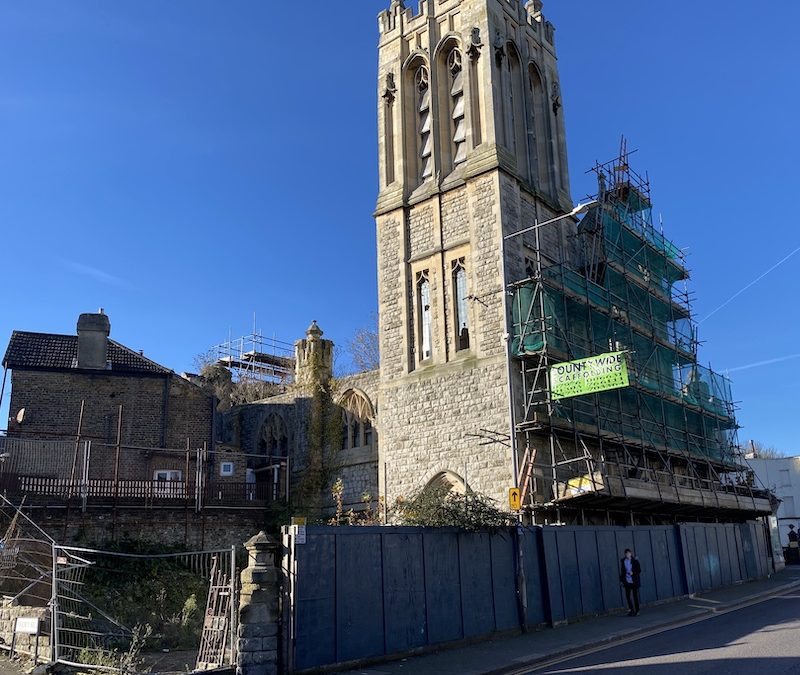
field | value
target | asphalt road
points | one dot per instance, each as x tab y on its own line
762	639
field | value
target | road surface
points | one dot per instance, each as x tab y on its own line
763	639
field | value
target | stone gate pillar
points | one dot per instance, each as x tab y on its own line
258	609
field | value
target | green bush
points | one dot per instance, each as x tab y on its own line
438	506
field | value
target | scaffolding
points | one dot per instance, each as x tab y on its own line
256	358
667	444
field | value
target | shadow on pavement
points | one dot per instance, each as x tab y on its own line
684	650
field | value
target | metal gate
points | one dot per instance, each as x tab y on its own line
90	632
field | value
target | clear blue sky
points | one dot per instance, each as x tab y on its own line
186	164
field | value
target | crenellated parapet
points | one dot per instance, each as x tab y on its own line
399	20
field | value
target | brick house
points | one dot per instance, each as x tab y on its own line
84	407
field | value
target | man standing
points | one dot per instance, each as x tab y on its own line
793	552
630	572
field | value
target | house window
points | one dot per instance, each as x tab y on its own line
461	305
226	469
424	312
167	475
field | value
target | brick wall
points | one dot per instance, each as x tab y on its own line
157	412
185	530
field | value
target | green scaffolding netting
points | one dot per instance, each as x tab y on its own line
623	298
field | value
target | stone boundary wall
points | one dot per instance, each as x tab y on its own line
25	644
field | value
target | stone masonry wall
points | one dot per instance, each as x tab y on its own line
428	410
25	644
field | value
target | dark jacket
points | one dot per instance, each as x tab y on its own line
636	572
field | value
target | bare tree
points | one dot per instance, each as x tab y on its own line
364	347
760	451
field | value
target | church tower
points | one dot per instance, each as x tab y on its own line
472	148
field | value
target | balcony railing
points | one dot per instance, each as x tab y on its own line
59	473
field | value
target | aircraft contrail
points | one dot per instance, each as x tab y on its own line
752	283
780	359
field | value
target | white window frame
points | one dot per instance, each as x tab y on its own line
226	469
169	475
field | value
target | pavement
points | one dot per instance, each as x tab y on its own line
758	639
533	651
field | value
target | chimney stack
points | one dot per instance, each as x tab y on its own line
93	332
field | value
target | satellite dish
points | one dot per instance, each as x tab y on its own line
20	415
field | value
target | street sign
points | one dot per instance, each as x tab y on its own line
514	498
589	376
300	534
297	520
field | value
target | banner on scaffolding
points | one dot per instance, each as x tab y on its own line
589	376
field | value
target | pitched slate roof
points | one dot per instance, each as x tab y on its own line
48	351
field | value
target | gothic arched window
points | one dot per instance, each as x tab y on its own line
357	416
457	107
539	112
424	315
514	122
422	85
274	439
460	295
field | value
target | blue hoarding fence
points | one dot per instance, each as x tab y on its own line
356	593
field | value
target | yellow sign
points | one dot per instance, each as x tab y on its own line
589	376
299	521
514	498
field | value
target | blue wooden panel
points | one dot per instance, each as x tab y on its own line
689	553
713	556
315	602
624	540
568	558
643	548
359	597
589	571
759	537
676	562
662	575
555	599
608	558
442	586
504	580
749	554
733	554
535	585
724	555
404	592
476	584
703	557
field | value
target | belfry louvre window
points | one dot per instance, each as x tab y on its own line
424	314
461	306
422	81
454	65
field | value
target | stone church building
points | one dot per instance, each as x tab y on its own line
486	278
472	147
